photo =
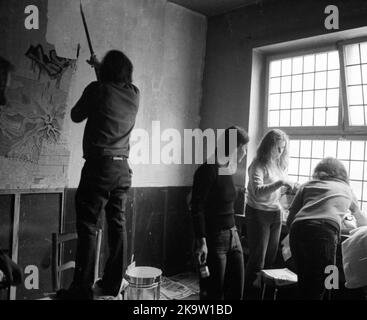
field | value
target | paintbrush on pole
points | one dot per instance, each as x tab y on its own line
93	57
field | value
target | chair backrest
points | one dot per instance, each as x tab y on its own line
57	267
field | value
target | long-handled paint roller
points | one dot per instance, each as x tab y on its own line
92	54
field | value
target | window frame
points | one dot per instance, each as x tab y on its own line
348	129
343	128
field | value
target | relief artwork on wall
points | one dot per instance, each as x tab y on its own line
35	108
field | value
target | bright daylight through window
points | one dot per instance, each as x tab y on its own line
321	91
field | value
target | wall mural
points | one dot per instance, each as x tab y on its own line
34	110
53	65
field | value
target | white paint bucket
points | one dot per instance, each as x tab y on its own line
144	283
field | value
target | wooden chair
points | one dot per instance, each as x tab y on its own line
276	279
58	241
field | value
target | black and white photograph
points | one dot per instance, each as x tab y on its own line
205	153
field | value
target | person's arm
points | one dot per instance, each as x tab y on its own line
360	216
256	178
94	62
13	273
296	205
204	180
82	108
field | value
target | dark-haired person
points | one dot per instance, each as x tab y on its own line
110	106
212	207
315	220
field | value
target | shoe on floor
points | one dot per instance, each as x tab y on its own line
102	293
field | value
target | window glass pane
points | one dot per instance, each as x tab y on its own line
356	169
307	117
305	167
275	85
330	148
356	115
314	163
321	61
296	100
297	65
305	148
343	150
320	117
355	95
317	149
296	117
320	98
285	118
364	73
333	60
309	63
354	75
357	150
308	81
294	148
363	47
320	80
364	196
275	68
286	67
345	164
352	54
357	188
293	166
333	79
285	101
274	101
307	101
273	120
286	84
297	83
332	116
332	97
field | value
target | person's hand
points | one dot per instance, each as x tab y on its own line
348	223
293	188
93	61
286	183
12	272
201	253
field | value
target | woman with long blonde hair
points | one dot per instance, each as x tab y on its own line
267	175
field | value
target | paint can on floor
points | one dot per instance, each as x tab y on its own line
144	283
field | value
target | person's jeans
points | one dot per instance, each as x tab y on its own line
226	267
263	233
103	186
313	246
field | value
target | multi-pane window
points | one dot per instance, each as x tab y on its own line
305	154
304	91
356	82
321	93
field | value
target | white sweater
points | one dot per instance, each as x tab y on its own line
263	189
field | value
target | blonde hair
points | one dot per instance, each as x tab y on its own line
268	142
